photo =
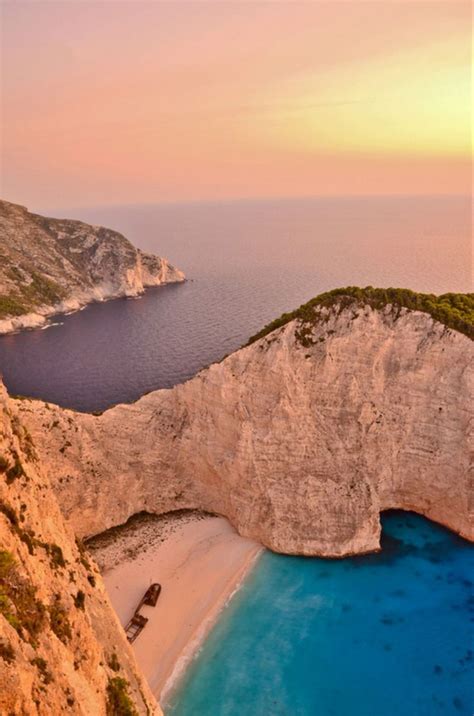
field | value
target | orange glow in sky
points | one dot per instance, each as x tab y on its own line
129	102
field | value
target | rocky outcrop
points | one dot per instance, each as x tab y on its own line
300	439
62	649
50	266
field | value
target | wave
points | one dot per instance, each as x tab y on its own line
195	645
51	325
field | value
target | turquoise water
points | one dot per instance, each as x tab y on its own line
389	634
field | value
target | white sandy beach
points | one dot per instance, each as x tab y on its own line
198	559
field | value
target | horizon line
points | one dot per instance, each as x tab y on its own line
247	199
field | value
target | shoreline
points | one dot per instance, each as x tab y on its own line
195	644
200	561
44	315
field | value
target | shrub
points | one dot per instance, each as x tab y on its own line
39	291
59	621
80	600
119	702
7	563
25	536
454	310
12	305
56	555
18	603
30	611
83	554
7	652
9	513
42	290
42	666
15	471
114	663
28	445
3	463
7	610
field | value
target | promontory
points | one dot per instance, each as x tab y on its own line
359	402
50	266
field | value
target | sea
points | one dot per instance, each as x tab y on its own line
390	634
247	262
387	634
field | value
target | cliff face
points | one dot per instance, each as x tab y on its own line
52	266
62	649
301	439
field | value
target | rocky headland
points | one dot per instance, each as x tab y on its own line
355	404
50	266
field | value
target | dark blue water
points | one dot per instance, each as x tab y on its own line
390	634
248	262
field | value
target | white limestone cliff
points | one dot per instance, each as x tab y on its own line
300	444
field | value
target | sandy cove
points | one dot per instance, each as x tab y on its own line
199	560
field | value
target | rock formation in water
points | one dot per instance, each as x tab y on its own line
62	649
349	407
50	266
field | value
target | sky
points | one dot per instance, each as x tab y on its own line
135	102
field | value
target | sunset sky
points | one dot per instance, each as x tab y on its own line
129	102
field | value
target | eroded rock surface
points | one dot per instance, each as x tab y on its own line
301	444
62	649
51	266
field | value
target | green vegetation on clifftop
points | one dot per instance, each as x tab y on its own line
454	310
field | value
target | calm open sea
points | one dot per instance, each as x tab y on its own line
247	262
386	635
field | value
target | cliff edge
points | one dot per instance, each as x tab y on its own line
62	649
50	266
355	404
